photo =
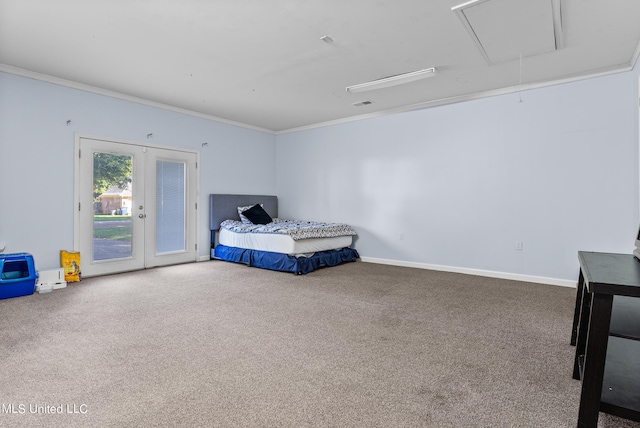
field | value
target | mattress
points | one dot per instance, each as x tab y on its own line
278	243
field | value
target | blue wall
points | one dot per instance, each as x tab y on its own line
451	186
37	158
460	185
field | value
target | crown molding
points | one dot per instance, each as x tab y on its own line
113	94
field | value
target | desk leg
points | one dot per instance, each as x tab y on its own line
576	312
583	327
595	356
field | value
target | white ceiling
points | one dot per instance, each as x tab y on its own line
261	63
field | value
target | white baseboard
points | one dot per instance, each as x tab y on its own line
477	272
204	258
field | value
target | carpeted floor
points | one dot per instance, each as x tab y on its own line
215	344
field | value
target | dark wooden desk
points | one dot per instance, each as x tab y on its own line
603	276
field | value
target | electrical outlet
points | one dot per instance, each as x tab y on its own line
401	236
519	246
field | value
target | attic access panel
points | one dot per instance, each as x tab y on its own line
503	30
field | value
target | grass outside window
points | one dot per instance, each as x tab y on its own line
119	231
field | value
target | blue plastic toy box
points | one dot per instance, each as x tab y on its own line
18	275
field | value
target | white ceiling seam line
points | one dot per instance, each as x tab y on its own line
557	23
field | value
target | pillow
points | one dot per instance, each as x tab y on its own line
257	215
241	210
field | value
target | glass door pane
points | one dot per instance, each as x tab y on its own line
112	203
109	221
170	206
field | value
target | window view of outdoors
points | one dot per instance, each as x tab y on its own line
112	226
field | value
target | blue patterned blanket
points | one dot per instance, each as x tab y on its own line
295	228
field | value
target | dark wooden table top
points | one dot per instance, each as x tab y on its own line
610	273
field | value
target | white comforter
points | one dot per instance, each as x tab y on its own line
296	229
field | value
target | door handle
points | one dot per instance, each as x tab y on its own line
142	215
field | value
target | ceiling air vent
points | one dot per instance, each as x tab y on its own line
362	103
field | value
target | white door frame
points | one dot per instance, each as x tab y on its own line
194	183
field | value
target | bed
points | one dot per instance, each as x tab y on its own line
275	245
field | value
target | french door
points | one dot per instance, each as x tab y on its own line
136	206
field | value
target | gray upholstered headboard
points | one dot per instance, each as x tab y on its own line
225	207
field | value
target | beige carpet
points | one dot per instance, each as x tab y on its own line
215	344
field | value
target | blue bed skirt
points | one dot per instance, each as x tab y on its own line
285	262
